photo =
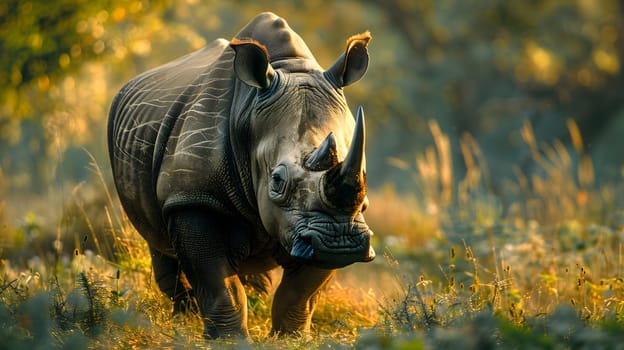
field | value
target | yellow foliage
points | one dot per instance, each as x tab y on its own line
606	61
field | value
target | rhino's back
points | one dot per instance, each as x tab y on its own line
148	121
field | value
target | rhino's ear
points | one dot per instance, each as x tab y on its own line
251	63
352	65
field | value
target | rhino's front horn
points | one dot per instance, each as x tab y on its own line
353	164
344	186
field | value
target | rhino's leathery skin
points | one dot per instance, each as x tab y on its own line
193	151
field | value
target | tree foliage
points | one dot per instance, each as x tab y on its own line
43	41
486	67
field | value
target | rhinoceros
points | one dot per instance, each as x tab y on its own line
241	157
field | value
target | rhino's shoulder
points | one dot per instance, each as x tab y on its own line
207	54
212	60
199	59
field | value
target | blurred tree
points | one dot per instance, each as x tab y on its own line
485	67
41	40
45	45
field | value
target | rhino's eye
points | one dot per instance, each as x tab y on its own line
279	182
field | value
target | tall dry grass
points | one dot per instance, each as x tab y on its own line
548	242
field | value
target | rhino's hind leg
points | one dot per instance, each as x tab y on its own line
198	238
296	297
172	281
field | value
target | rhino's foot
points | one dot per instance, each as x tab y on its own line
214	333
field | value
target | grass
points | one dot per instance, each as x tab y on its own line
541	266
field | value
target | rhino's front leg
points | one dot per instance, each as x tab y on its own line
199	240
296	297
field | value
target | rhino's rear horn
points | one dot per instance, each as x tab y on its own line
344	185
324	157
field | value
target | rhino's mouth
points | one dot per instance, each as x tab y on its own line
332	242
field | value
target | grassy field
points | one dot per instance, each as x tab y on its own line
457	267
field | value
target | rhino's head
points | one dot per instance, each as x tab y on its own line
308	162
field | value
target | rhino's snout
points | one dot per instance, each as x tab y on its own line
332	242
343	237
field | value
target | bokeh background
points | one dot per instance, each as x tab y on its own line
453	87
